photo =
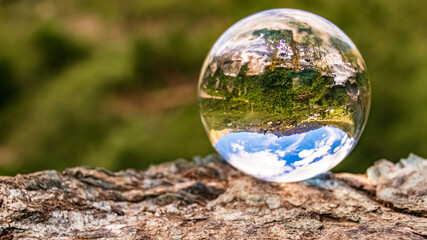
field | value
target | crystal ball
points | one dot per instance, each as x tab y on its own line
284	95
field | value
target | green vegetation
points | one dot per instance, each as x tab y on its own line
278	95
57	51
105	83
275	35
303	27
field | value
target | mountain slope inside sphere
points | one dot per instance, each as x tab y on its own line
277	79
276	101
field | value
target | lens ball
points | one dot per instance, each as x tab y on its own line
284	95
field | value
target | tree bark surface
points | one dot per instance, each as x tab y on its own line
208	199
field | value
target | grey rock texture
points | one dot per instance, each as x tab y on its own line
208	199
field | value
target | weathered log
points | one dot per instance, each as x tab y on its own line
208	199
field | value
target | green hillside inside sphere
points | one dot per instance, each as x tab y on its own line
281	98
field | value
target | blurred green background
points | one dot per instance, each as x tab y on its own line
113	83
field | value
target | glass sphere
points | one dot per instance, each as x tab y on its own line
284	95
